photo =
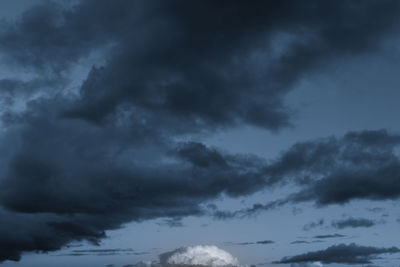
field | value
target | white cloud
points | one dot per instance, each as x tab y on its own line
202	255
194	256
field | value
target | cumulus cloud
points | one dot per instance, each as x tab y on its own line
200	255
211	256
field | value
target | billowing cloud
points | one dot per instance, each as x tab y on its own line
199	255
359	165
211	256
77	165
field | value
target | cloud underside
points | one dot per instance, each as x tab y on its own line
348	254
359	165
75	165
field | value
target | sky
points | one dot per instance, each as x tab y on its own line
212	133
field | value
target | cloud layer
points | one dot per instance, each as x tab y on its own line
75	164
353	223
349	254
358	165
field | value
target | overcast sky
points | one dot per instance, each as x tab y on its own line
269	129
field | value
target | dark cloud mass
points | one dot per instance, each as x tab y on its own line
360	165
349	254
73	166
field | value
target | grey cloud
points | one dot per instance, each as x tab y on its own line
360	165
50	36
102	252
142	68
329	236
349	254
78	188
262	242
76	167
353	223
172	222
375	209
248	212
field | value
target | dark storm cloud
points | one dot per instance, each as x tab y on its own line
348	254
49	36
79	179
73	167
217	91
15	87
226	47
353	223
360	165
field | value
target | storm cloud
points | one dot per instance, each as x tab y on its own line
334	170
76	164
359	165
